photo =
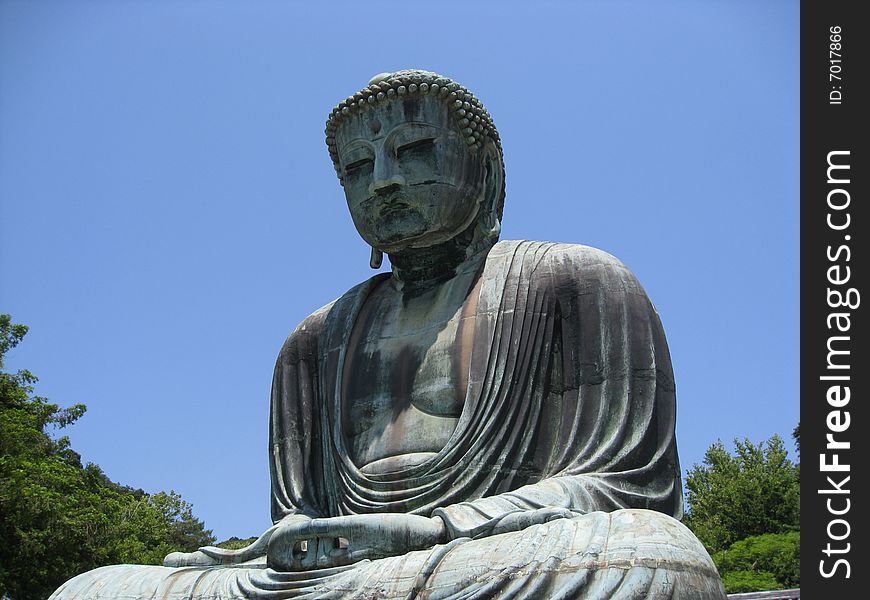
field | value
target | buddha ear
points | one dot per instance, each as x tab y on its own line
493	186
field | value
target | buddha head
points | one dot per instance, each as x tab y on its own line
420	162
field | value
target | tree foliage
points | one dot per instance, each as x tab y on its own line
59	517
763	562
796	436
745	508
235	543
754	492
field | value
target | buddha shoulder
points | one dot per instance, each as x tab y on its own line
302	341
578	269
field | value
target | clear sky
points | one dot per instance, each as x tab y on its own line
169	212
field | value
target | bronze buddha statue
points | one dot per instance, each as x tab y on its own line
490	419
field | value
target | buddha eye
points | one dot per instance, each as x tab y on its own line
359	166
417	146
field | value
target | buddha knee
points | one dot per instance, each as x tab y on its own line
654	535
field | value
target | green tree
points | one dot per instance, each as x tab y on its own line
748	581
796	436
735	502
58	517
763	562
235	543
753	492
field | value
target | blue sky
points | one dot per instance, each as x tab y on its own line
169	213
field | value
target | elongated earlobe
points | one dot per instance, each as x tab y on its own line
489	221
377	258
490	225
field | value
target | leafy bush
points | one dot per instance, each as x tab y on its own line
749	581
754	492
58	517
773	555
235	543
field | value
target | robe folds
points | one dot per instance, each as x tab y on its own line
570	403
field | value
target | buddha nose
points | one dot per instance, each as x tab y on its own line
384	177
383	186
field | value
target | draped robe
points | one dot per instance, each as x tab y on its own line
570	403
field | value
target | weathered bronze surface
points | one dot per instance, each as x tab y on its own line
489	420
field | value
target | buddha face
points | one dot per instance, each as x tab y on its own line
410	179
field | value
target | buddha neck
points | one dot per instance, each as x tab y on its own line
422	268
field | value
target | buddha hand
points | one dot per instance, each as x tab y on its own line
213	556
338	541
519	520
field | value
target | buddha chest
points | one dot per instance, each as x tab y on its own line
406	373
